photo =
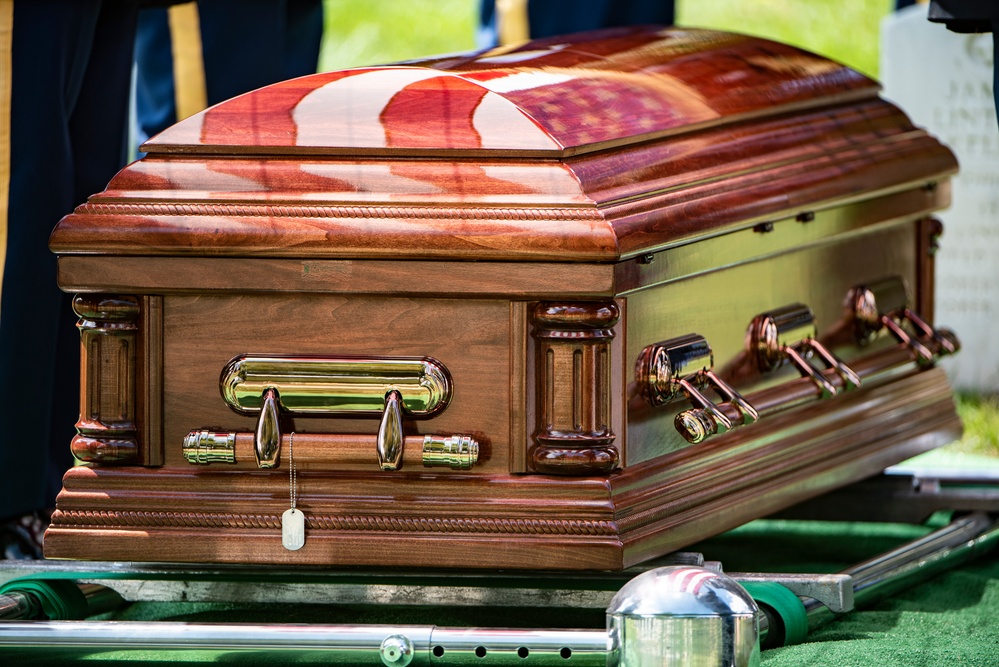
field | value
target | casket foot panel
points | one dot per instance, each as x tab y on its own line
505	521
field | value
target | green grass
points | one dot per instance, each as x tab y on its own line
980	415
383	31
845	30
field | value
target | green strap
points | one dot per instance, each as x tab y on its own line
785	605
61	600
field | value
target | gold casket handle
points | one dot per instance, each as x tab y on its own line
336	385
332	451
681	367
788	335
268	385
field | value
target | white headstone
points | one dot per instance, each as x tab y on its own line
943	81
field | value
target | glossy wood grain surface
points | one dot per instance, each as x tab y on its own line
471	338
603	208
583	93
688	134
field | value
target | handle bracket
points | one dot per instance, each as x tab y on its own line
788	334
884	304
682	367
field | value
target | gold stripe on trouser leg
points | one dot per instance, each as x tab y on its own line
6	75
190	93
511	22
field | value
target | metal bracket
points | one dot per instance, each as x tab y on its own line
835	591
788	334
884	304
682	366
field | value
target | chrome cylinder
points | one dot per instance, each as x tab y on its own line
16	605
392	646
682	615
497	646
914	562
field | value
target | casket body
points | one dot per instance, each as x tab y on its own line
579	274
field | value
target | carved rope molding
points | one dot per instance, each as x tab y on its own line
401	212
87	518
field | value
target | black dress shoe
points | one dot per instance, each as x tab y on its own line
21	537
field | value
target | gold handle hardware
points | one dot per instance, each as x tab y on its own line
458	452
336	385
206	447
390	386
788	335
390	440
884	304
267	436
681	367
328	451
778	337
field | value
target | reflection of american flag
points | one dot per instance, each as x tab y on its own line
586	110
621	87
425	109
688	580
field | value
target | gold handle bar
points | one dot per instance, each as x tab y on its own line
331	452
309	385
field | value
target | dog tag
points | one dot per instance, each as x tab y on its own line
293	529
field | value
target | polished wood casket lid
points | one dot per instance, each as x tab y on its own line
592	147
551	98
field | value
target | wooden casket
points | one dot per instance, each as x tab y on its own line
571	305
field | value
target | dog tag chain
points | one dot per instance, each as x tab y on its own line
293	520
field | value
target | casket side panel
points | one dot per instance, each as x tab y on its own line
471	338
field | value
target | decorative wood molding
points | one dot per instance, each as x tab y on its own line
540	213
927	243
519	363
106	431
573	433
149	405
137	519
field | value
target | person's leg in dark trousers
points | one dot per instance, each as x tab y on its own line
245	44
70	80
262	43
303	37
559	17
547	18
155	107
